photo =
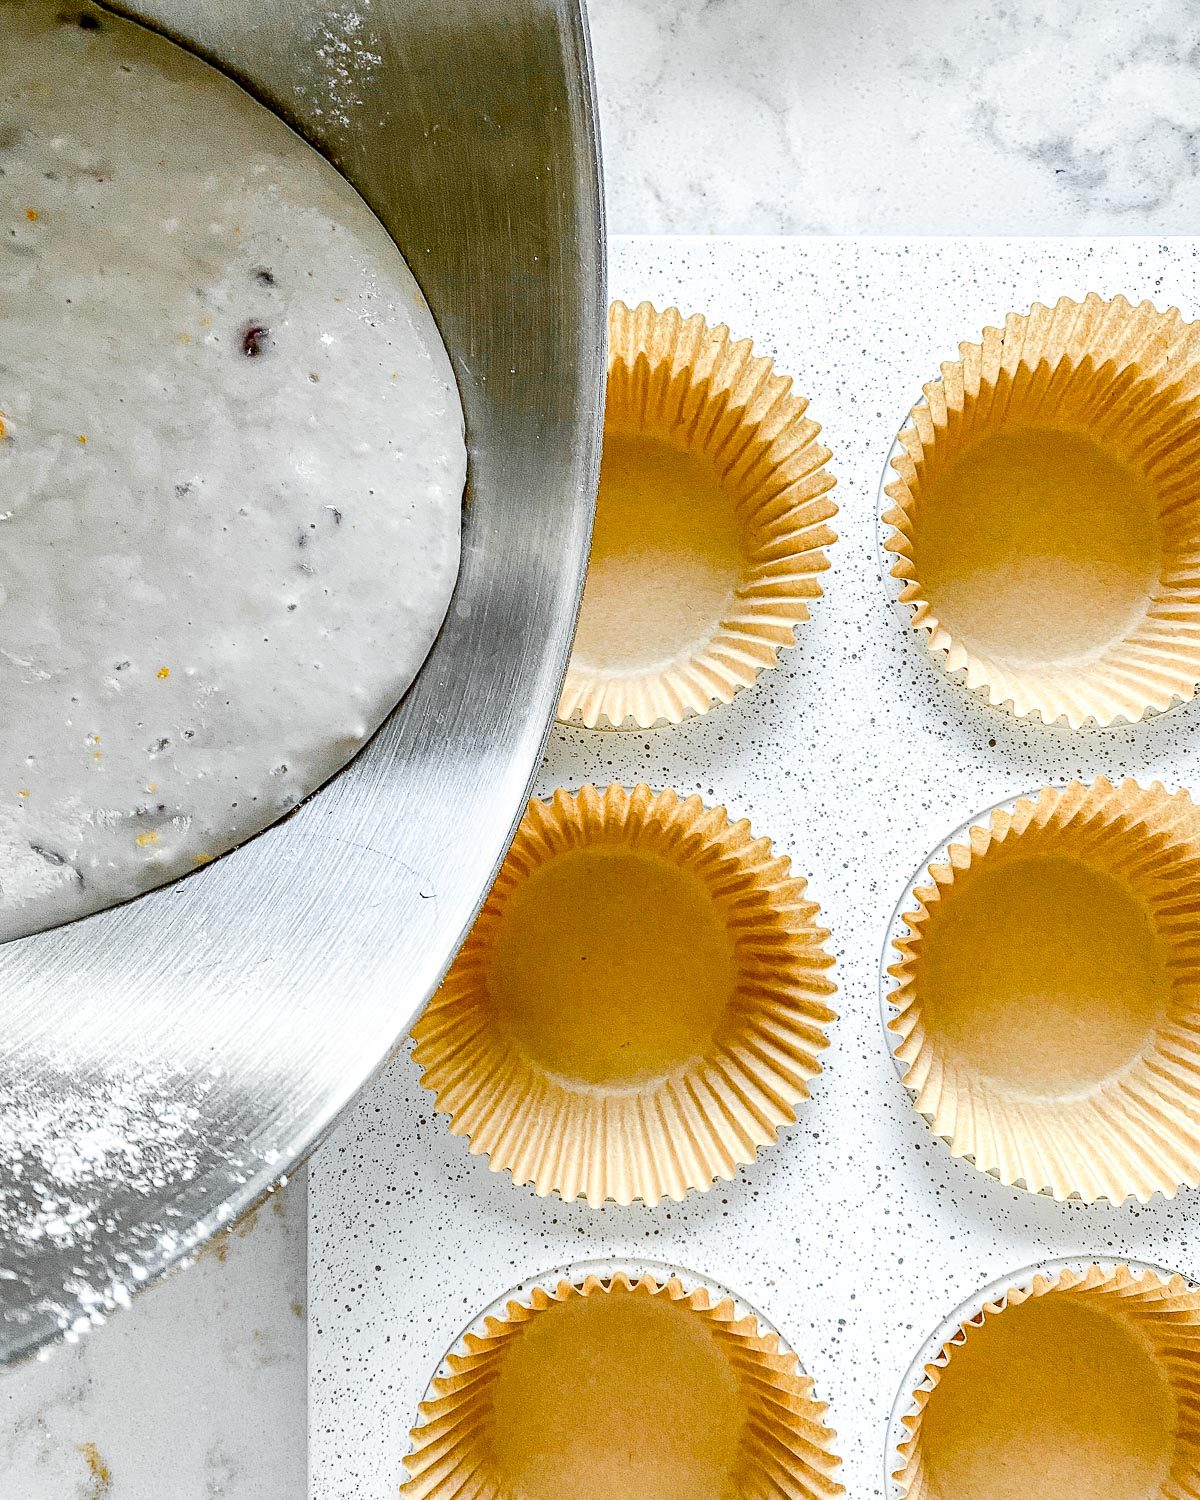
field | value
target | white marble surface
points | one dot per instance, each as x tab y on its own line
197	1392
719	116
870	116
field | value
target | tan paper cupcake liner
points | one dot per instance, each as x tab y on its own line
1007	1417
640	1004
711	524
1046	513
1049	993
617	1388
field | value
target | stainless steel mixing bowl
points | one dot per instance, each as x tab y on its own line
162	1064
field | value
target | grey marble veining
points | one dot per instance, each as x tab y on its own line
870	116
197	1392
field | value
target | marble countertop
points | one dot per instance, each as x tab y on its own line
855	117
719	117
197	1392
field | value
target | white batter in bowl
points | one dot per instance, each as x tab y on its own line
231	466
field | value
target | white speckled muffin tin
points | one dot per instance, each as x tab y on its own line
857	1233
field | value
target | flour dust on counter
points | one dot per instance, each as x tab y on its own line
231	465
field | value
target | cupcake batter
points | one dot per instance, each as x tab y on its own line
231	465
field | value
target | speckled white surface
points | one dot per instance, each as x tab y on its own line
857	1231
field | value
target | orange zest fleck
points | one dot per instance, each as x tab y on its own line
163	672
82	439
98	1471
203	859
23	791
147	838
31	214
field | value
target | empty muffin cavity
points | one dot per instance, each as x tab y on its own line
1048	992
1080	1383
710	529
611	1388
641	1004
1047	508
